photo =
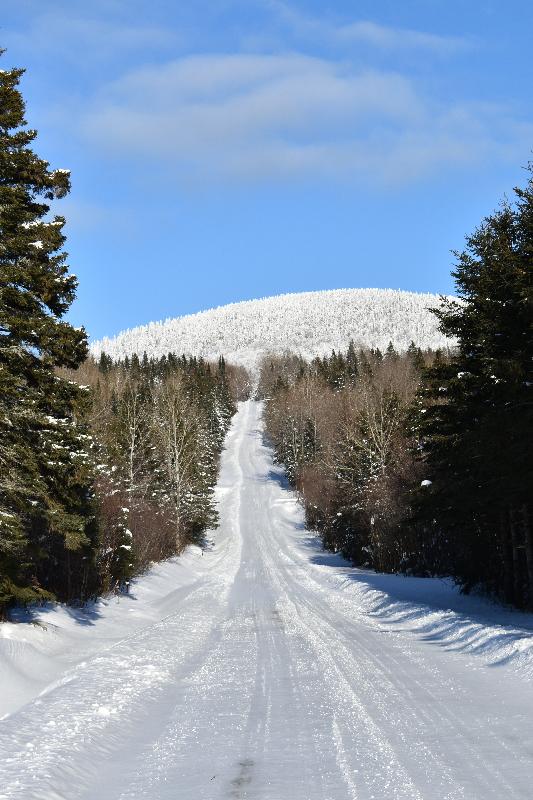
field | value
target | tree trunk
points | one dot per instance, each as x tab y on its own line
528	540
507	556
517	570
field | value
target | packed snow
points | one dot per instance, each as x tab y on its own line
262	667
309	323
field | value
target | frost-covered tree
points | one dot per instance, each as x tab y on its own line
46	526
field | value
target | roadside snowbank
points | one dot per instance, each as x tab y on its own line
432	609
38	648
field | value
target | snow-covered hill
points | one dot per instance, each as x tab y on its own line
309	323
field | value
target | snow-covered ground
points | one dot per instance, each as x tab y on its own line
308	323
266	668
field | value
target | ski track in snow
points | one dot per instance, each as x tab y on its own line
280	675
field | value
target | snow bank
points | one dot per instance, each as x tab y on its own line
37	649
431	609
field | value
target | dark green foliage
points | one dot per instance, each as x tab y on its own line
352	365
46	522
95	481
390	353
105	363
476	417
416	356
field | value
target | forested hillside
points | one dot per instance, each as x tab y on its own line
309	323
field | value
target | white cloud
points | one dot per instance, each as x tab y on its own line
367	32
81	37
232	97
286	116
399	38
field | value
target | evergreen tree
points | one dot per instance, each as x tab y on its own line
390	353
477	417
416	356
105	363
352	366
45	503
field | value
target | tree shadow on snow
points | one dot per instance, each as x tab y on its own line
433	609
85	614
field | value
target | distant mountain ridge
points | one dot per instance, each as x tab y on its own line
308	323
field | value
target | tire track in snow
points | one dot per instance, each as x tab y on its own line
391	684
95	708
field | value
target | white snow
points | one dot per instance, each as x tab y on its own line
263	667
309	323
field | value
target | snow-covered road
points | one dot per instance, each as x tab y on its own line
265	679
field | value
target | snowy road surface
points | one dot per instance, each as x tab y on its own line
264	678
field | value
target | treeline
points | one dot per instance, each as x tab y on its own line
147	437
156	431
103	467
339	424
423	462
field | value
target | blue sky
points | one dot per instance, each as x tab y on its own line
235	149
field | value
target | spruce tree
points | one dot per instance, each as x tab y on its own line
416	356
44	496
390	353
477	414
352	367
